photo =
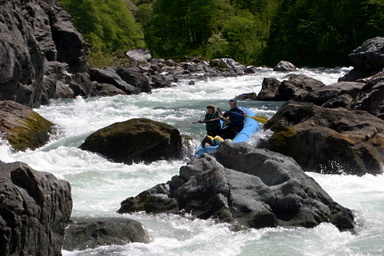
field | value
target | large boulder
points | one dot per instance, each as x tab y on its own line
22	127
40	50
247	187
289	88
328	140
82	234
324	95
136	140
367	59
128	80
269	88
35	208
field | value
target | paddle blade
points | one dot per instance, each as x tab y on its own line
260	119
183	124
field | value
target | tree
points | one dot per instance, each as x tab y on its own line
106	25
181	26
322	33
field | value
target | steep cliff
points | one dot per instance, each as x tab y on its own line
42	55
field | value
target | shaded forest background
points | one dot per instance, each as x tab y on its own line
256	32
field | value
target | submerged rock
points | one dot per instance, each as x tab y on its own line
247	187
136	140
34	210
22	127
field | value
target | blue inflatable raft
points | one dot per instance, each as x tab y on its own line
251	126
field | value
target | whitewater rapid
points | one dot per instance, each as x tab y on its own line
99	185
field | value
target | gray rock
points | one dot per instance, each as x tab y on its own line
82	234
367	59
247	187
321	95
328	140
284	66
295	85
269	88
371	97
39	48
35	208
136	140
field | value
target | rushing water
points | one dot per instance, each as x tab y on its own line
98	185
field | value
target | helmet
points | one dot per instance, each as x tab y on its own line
211	106
233	100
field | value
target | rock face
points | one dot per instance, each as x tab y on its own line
328	140
88	233
23	127
247	187
136	140
367	59
41	53
34	210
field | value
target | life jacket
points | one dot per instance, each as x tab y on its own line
236	115
213	125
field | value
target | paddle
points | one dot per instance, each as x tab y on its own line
260	119
185	124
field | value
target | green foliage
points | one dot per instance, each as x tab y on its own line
244	36
107	25
258	32
322	33
182	26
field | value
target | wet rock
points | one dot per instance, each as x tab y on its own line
247	96
328	140
289	88
322	95
82	234
136	140
102	89
247	187
128	80
269	88
35	208
22	127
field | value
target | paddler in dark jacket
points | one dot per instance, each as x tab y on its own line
236	117
212	121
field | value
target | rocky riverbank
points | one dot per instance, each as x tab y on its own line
43	57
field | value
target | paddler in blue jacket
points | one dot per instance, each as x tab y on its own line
236	117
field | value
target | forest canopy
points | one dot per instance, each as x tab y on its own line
257	32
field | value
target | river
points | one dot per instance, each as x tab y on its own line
98	185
